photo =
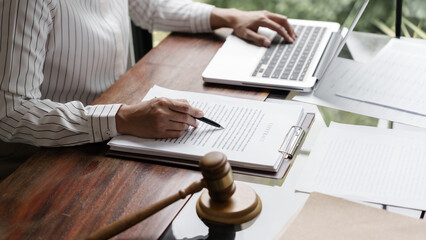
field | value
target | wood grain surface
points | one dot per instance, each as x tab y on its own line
67	193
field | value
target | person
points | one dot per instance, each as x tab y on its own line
57	56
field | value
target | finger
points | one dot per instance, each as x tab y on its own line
176	126
185	107
173	134
183	118
278	28
182	100
257	38
283	21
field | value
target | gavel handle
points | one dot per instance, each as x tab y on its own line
130	220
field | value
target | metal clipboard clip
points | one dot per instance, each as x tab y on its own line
292	141
295	136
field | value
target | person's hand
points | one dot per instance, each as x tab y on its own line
246	24
157	118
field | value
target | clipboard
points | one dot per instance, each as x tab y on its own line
289	148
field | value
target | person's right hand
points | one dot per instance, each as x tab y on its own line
157	118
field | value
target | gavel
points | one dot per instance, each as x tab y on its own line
225	202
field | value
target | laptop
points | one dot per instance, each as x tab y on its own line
297	66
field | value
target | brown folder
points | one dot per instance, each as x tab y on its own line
327	217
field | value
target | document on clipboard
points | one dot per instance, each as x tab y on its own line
258	138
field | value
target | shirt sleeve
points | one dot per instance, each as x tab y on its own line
171	15
24	116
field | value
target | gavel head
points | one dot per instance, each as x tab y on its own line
226	202
218	176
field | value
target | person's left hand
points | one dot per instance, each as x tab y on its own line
246	24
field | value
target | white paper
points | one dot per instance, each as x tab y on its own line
324	95
253	134
395	78
365	46
370	164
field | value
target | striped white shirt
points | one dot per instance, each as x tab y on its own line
57	56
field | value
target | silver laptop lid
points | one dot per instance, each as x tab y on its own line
339	38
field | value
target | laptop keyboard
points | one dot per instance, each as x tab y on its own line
290	61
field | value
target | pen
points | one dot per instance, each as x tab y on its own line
210	122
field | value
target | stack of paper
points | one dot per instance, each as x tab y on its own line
371	164
389	87
395	78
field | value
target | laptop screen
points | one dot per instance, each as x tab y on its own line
350	22
338	39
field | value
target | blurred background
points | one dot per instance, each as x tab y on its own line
378	18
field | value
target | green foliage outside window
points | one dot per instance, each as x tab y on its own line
378	17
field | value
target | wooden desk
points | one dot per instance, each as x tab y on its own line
67	193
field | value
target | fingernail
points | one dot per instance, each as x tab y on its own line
266	42
200	114
196	124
